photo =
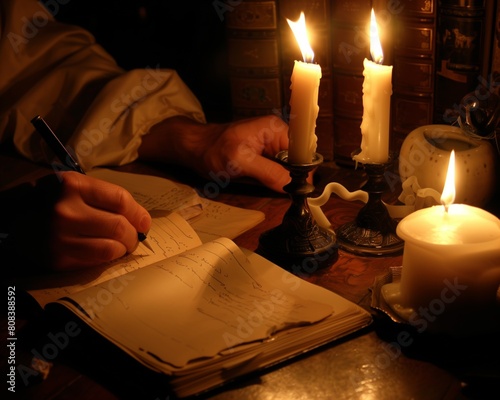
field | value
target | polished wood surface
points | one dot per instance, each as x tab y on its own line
384	361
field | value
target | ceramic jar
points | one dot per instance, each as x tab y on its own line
425	154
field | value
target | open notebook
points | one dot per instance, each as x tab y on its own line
210	219
200	313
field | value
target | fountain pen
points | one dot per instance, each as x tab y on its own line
67	159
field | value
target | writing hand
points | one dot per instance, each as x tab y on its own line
93	222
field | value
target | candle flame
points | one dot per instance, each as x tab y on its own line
375	46
448	196
300	32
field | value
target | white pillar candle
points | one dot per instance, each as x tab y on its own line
377	91
303	112
304	100
451	266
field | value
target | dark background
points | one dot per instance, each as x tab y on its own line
188	36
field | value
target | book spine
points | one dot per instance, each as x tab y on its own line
414	59
494	69
463	53
318	26
254	63
350	46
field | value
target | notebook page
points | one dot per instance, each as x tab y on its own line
153	192
196	305
168	236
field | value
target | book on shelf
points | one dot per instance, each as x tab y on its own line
495	48
414	64
463	62
254	60
440	51
195	311
494	82
350	46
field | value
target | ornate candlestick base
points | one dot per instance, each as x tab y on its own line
373	232
299	245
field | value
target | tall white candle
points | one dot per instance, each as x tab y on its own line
377	91
451	265
304	100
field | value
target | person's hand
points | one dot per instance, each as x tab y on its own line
92	222
247	148
242	148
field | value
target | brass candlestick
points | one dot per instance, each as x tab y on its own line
299	245
373	232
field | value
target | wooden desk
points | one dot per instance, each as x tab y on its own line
371	364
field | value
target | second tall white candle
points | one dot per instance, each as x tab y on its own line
377	91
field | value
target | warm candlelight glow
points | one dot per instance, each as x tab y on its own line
448	195
303	100
375	45
457	244
377	91
300	32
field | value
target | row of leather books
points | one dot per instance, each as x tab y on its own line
440	51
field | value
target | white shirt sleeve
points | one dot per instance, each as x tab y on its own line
96	108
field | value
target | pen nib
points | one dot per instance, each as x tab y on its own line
143	239
146	243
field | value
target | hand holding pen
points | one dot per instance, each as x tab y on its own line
93	221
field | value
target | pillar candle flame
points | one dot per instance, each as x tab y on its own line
448	195
304	107
375	45
300	32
